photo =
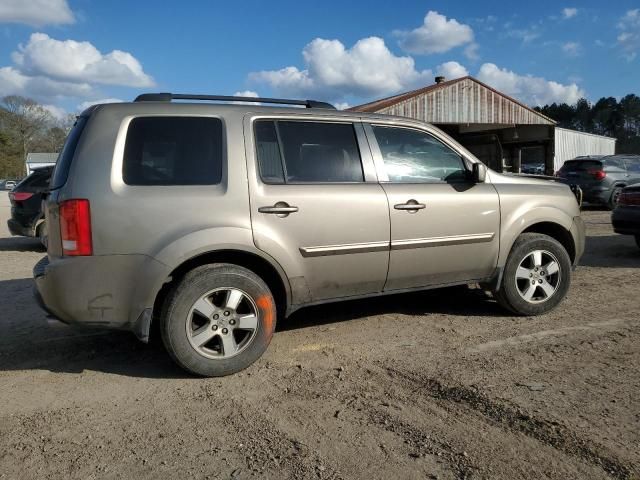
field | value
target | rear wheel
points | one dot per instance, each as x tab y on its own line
615	195
536	276
218	320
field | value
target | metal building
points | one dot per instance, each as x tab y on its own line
504	133
571	144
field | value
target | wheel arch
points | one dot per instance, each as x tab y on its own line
547	221
265	268
557	232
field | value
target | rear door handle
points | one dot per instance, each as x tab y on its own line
412	206
281	208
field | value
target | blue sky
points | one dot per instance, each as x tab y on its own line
68	53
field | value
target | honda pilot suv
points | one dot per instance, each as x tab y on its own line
213	220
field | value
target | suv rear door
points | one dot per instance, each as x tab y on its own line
444	228
316	206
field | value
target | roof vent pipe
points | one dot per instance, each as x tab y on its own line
440	79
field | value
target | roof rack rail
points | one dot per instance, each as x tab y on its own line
167	97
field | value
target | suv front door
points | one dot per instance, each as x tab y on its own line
316	206
444	228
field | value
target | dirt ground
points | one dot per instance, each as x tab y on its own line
442	384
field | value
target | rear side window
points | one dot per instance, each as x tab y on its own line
65	158
307	152
614	165
173	151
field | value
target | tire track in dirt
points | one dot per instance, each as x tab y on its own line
550	433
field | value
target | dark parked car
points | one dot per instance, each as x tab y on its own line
626	216
27	218
602	180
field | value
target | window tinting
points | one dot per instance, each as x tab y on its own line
411	156
173	151
580	165
312	152
38	179
268	150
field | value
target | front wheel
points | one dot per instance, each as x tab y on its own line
536	276
218	320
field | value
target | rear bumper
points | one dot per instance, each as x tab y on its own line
626	220
114	291
599	195
16	228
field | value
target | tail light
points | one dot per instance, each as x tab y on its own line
629	199
597	173
75	227
20	196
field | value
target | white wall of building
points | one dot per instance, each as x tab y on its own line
571	144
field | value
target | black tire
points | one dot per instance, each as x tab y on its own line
638	240
509	296
613	200
176	313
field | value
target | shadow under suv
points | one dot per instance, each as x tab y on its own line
216	219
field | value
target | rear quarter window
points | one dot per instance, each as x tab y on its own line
173	151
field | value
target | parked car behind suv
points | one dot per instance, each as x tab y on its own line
213	220
27	218
601	179
626	216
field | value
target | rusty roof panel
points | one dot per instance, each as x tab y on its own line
464	100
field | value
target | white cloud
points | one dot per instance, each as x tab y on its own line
527	35
246	93
435	35
36	12
74	61
332	71
452	70
572	49
84	105
14	82
341	105
529	89
471	51
55	111
569	12
629	37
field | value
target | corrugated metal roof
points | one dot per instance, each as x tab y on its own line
463	100
42	157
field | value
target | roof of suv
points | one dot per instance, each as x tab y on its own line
242	105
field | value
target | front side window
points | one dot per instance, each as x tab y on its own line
307	152
173	151
412	156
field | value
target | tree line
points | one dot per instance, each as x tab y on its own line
25	127
607	116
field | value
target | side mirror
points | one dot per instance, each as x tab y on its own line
478	172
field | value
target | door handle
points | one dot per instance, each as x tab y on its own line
281	209
412	206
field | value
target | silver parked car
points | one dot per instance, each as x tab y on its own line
216	219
